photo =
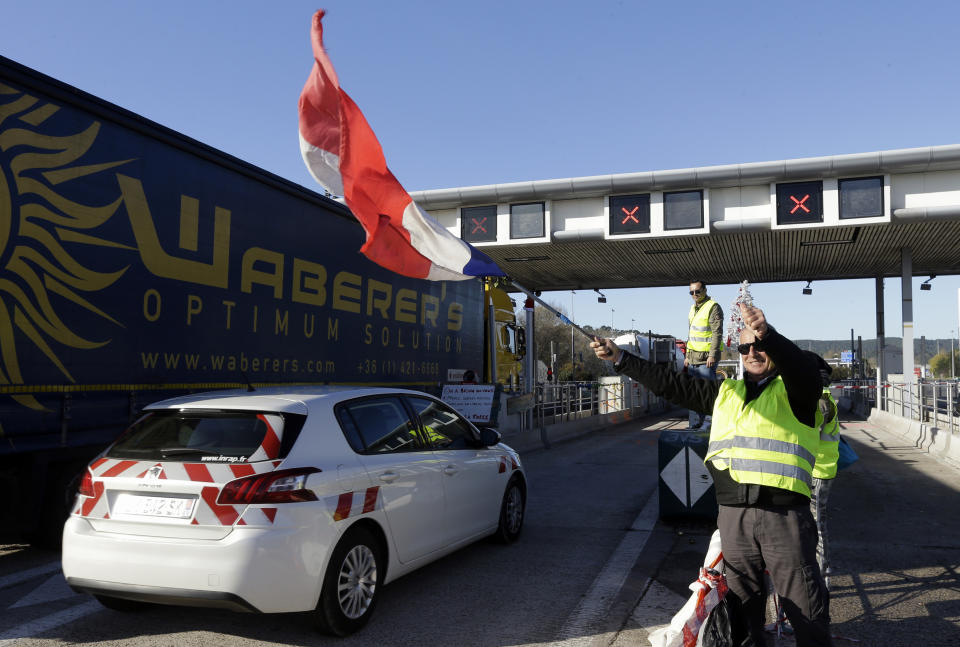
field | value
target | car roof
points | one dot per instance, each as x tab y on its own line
289	399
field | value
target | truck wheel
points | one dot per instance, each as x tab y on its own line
351	584
121	604
56	508
511	512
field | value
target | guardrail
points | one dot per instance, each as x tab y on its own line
568	401
928	401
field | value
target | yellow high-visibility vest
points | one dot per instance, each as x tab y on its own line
828	452
762	442
700	334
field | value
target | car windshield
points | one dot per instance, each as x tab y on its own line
203	436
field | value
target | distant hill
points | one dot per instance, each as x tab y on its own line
829	348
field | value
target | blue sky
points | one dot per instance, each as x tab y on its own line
479	93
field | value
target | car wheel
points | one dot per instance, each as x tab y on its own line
352	583
511	512
121	604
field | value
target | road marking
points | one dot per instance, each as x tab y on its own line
579	629
53	588
656	608
22	576
46	623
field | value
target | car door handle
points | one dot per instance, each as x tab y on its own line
388	477
450	470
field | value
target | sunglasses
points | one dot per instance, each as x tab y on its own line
700	291
743	349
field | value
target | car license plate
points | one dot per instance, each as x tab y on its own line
154	506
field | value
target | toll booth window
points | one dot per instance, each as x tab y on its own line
630	214
683	210
527	220
799	202
479	224
861	197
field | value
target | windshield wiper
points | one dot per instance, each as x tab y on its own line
186	451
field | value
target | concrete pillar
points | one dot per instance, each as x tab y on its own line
530	379
881	342
906	297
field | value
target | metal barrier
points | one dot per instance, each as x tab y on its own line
567	401
928	401
861	394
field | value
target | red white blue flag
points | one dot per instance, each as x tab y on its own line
343	155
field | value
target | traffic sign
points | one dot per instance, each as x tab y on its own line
799	202
479	224
630	214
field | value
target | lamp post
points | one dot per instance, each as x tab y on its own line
612	310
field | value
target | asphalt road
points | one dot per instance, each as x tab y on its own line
593	566
895	541
584	496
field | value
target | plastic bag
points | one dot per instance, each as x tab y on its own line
847	456
709	590
717	629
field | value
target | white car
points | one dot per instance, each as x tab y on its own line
280	500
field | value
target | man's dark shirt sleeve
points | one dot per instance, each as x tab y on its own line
800	374
694	393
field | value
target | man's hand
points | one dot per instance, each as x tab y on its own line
605	349
686	362
754	320
711	361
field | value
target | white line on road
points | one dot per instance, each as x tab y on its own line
581	627
22	576
656	608
46	623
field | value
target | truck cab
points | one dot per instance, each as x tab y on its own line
507	338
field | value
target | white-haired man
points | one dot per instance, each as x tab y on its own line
762	450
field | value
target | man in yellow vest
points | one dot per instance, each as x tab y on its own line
703	343
761	455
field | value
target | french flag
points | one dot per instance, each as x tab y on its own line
342	153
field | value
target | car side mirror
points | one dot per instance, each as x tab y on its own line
489	437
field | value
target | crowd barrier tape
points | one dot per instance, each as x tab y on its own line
871	386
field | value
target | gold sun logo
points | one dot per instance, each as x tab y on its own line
44	222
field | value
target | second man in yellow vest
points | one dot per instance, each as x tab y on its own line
703	343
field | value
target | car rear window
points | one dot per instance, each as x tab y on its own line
208	436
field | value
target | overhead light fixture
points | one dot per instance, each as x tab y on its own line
677	250
808	289
524	259
602	298
841	241
815	243
926	284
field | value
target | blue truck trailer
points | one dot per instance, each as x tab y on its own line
138	264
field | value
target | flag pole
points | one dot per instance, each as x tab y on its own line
550	308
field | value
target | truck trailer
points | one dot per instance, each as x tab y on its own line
137	264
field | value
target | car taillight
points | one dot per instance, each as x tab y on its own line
86	484
282	486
